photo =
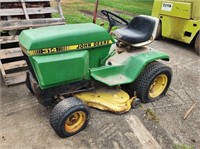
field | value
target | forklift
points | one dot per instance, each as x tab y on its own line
179	20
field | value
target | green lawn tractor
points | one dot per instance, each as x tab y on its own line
179	20
77	66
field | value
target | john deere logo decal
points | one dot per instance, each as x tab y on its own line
94	44
68	48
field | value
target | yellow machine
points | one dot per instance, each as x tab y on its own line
101	99
179	20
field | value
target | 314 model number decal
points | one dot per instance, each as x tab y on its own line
72	47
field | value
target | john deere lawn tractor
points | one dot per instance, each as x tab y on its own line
77	66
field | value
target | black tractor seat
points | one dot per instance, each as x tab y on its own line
140	31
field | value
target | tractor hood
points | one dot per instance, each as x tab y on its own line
63	38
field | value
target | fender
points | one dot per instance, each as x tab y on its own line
124	68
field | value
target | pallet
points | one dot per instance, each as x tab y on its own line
22	14
17	15
13	72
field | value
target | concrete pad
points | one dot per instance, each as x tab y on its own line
25	123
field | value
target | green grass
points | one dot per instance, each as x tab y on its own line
182	146
127	9
130	6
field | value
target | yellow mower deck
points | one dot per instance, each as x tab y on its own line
109	99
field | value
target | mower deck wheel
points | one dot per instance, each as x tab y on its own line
152	83
69	117
136	103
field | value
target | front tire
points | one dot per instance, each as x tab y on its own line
69	117
152	83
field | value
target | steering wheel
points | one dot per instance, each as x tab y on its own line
114	20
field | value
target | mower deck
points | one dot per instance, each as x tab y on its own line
109	99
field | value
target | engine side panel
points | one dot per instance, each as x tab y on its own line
56	69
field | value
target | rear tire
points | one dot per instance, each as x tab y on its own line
197	44
69	117
152	83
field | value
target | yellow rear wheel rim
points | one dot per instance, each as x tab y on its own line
75	121
158	86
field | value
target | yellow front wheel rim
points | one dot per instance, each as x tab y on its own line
75	121
158	86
